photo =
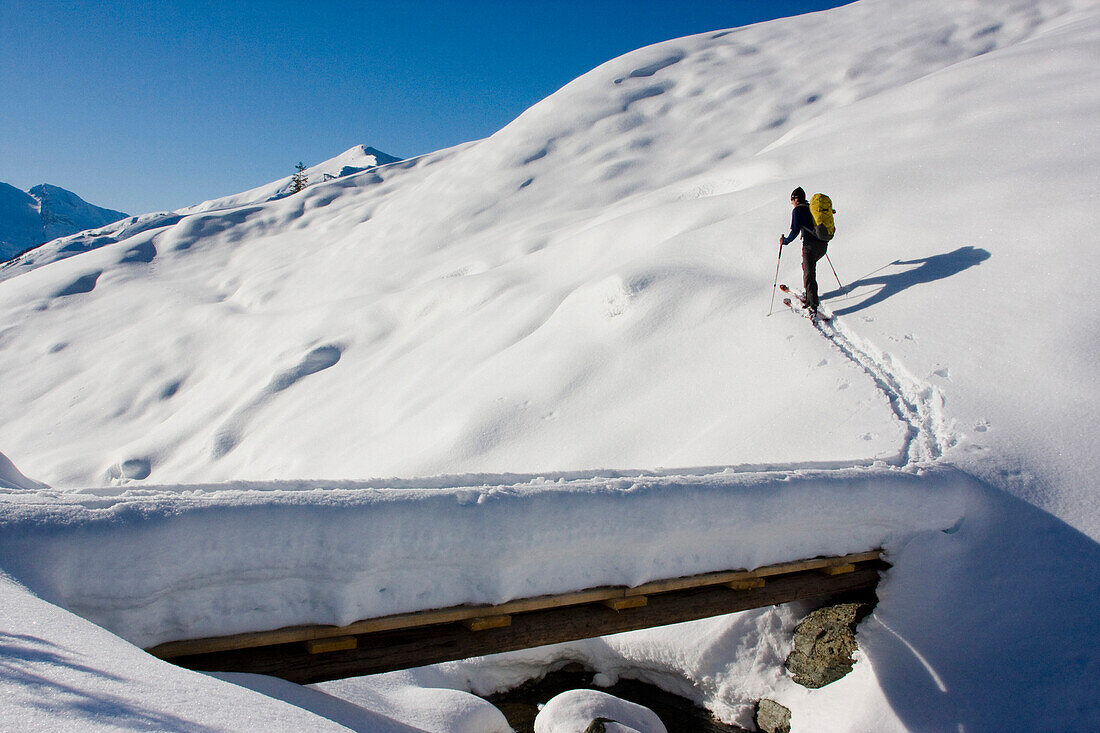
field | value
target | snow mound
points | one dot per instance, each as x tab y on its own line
574	711
12	478
419	700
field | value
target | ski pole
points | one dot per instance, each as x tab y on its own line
776	278
834	271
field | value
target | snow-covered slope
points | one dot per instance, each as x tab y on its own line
45	212
586	290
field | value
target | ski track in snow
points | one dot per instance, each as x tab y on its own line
918	405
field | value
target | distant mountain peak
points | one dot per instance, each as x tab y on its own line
378	155
46	212
355	159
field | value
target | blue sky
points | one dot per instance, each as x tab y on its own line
147	106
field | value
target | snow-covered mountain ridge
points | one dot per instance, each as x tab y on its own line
586	290
354	160
45	212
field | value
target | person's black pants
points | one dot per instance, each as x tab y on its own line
812	251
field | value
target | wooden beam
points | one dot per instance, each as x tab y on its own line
736	579
417	646
416	619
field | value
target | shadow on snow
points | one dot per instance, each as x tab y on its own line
1014	588
920	271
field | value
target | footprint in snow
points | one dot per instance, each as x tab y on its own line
169	390
651	69
315	361
133	469
232	431
137	468
83	284
143	253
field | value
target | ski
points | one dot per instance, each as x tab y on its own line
801	309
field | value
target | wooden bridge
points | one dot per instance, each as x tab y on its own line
307	654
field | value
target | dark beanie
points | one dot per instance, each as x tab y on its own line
799	194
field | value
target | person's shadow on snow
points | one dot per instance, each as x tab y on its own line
926	270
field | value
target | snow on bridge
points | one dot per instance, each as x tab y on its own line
161	564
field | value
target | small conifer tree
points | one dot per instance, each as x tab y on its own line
299	180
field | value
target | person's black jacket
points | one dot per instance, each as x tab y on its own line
802	221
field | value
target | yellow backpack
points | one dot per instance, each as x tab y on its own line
821	207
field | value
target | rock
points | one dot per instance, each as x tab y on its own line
597	725
824	643
771	717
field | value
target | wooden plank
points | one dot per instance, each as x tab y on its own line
333	644
415	619
724	577
484	623
626	603
248	640
413	647
691	581
817	563
458	614
838	569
